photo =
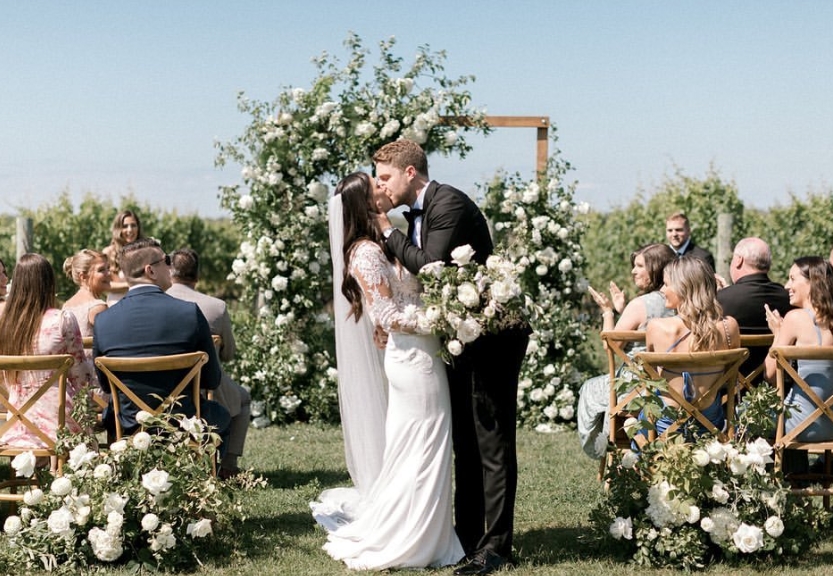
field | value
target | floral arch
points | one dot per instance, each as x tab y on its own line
293	153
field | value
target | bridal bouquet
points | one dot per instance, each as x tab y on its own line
149	500
468	299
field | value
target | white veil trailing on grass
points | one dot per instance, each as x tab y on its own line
362	385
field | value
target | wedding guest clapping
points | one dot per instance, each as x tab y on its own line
32	324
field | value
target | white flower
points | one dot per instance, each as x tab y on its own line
693	514
289	403
142	416
106	547
61	486
114	503
629	459
567	412
365	129
701	457
504	290
719	493
433	268
450	138
537	395
150	522
60	522
468	295
24	464
541	270
33	496
199	529
462	255
468	330
632	426
622	528
80	456
102	471
279	283
565	265
531	194
707	524
389	129
12	525
774	526
716	451
748	538
738	464
433	313
192	425
489	311
455	347
141	441
244	203
118	446
318	191
156	481
164	539
115	520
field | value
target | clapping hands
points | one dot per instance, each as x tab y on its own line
615	302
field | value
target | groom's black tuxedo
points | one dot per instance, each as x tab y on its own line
483	382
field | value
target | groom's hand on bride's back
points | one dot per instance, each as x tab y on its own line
380	338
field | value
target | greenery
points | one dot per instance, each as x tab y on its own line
553	532
60	229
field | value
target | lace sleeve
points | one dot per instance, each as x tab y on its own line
372	271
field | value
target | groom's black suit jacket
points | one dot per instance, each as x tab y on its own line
453	220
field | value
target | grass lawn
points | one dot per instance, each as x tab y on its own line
557	489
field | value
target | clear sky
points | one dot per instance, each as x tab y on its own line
116	97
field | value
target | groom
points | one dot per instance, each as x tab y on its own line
484	379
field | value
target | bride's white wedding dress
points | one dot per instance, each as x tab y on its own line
405	520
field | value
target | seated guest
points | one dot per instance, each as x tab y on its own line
690	287
750	292
810	286
148	322
185	273
647	264
90	271
32	324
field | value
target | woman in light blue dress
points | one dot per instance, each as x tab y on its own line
810	287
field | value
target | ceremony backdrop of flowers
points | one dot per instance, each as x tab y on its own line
293	153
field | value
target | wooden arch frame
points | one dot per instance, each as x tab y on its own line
540	123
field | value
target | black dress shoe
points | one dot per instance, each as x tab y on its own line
484	562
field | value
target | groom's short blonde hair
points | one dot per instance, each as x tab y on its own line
401	154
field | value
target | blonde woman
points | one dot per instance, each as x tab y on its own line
691	288
90	271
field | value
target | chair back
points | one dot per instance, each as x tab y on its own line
57	366
111	366
748	378
725	362
218	342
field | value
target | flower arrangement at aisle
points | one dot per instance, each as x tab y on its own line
292	153
468	299
537	224
149	500
686	504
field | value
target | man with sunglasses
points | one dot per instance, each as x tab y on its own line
148	322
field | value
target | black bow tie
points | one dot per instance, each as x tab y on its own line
412	215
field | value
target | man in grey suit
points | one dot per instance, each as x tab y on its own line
185	268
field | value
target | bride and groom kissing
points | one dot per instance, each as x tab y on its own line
402	407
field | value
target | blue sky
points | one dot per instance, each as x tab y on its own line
117	97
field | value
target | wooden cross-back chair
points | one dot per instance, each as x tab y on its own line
97	395
617	344
785	356
57	366
192	362
747	381
659	365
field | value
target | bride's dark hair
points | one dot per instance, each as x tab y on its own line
355	191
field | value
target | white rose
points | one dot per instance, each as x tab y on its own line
199	529
719	493
115	520
12	525
701	457
433	313
119	446
707	524
629	459
433	268
61	486
455	347
468	295
60	521
106	547
244	203
567	412
192	425
317	191
693	514
150	522
80	456
632	426
622	528
24	464
716	451
102	471
141	441
565	265
774	526
489	311
156	481
279	283
114	503
504	290
33	496
142	416
541	270
462	255
469	330
748	538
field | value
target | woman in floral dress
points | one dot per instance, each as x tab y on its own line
32	324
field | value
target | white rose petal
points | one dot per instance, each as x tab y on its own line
24	464
462	255
748	538
774	526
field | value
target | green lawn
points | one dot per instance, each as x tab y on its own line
557	489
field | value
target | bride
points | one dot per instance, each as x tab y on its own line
404	520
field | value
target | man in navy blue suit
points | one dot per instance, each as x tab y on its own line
148	322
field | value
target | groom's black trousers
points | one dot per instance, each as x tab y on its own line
484	390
